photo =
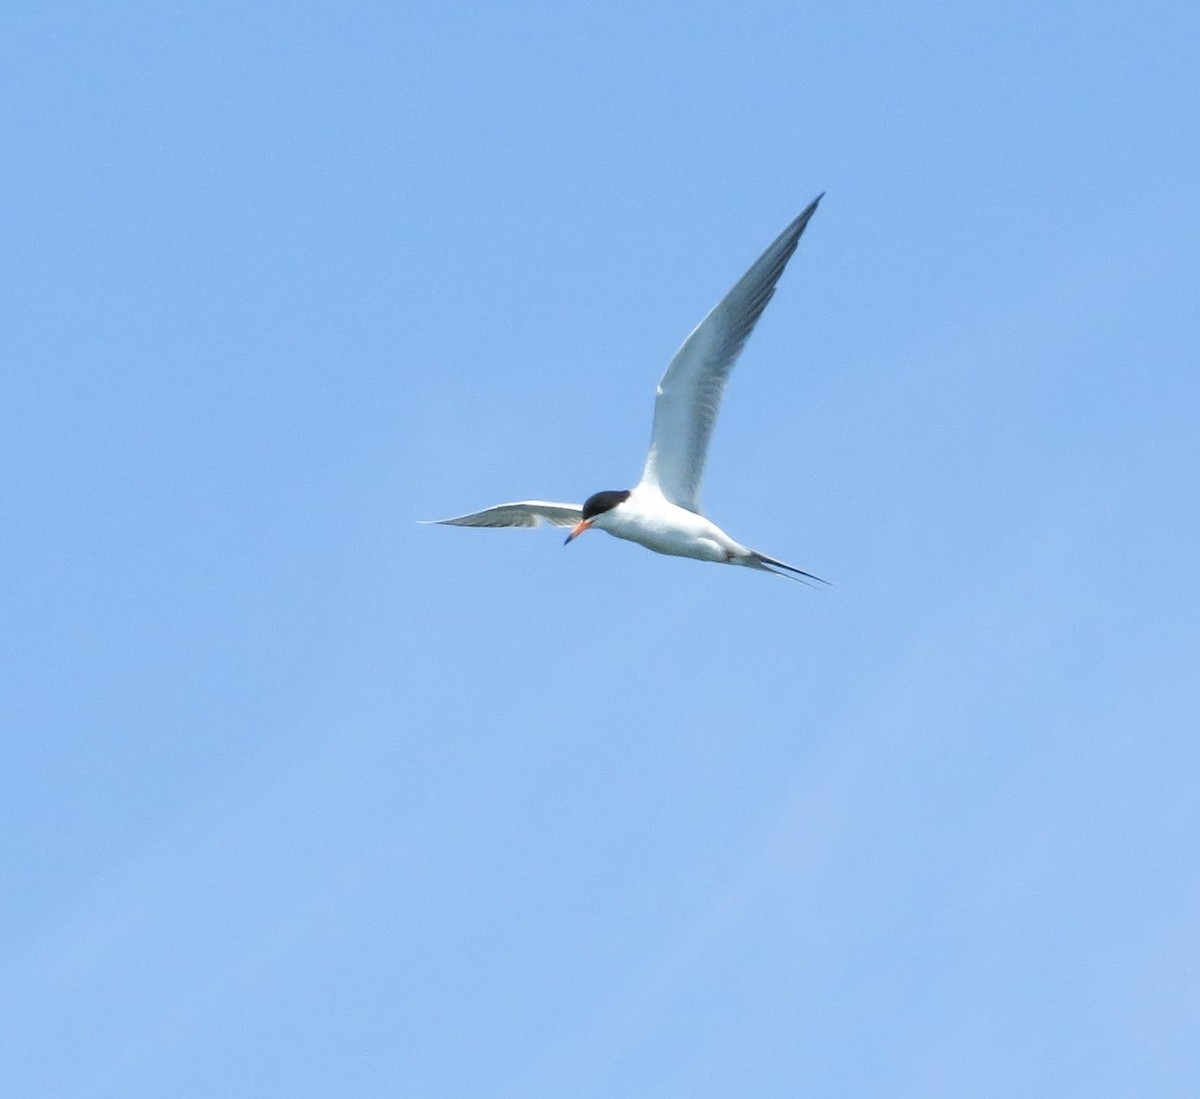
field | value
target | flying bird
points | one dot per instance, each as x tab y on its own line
662	511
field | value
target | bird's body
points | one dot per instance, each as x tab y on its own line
648	518
662	512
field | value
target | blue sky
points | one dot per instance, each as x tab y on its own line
300	798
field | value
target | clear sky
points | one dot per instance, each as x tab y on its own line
300	798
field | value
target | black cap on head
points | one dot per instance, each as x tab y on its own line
600	502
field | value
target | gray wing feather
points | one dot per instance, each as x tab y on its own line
689	395
525	513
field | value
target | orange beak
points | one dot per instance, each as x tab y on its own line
577	530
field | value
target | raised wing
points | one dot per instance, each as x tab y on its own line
526	513
689	395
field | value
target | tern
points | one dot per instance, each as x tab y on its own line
662	512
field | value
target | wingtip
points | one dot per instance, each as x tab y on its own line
802	219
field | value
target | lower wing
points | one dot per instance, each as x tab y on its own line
524	513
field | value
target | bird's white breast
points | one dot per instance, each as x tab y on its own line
651	520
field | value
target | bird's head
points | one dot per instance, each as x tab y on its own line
594	507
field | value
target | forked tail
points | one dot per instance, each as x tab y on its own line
779	568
